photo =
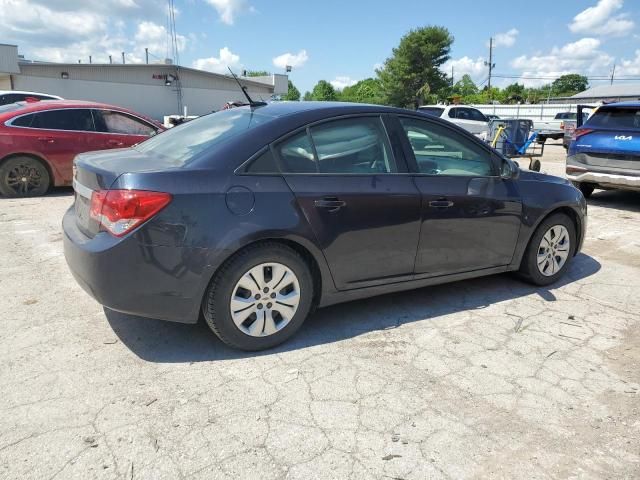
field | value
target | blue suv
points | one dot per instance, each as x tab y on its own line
605	151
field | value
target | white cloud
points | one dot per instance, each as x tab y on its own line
378	66
340	82
296	60
154	37
219	64
228	10
582	56
505	39
629	67
465	65
601	20
68	30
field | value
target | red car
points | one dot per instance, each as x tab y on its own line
38	141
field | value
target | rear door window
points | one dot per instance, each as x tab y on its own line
296	154
117	122
476	115
615	118
354	145
76	119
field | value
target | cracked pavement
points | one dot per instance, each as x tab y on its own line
488	378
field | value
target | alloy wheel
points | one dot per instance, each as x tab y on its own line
265	299
23	179
553	250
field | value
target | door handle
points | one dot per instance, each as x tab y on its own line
442	203
332	204
115	143
46	139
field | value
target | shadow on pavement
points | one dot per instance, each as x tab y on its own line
166	342
618	199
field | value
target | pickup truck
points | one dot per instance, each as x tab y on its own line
554	129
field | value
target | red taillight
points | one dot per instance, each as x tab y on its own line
579	132
561	125
120	211
574	169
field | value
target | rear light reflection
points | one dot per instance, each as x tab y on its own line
120	211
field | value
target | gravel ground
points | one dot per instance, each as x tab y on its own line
488	378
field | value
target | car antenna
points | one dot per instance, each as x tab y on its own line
244	91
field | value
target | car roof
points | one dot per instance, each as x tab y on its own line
622	104
280	109
23	92
44	105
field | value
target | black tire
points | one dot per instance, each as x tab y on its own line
586	188
216	301
529	268
36	177
535	165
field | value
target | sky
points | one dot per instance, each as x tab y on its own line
338	41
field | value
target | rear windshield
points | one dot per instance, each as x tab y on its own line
11	107
566	116
616	117
435	111
182	143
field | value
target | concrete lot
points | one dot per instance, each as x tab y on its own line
488	378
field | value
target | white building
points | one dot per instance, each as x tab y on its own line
154	90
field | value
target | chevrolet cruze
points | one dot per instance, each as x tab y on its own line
253	217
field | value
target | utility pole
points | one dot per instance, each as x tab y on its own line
110	59
146	54
123	58
90	59
452	81
490	64
613	72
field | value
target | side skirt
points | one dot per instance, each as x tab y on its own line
331	298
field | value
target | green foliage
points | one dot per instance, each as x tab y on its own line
323	91
415	65
307	97
465	87
257	73
569	84
368	90
293	93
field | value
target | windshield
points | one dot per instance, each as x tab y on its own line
614	117
435	111
10	107
182	143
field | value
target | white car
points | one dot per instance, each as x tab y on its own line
471	119
13	96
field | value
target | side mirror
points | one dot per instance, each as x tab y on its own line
509	169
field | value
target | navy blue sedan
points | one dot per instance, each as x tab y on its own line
254	216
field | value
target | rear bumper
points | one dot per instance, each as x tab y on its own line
610	180
125	275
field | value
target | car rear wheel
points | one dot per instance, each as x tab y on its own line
550	250
260	297
586	188
23	177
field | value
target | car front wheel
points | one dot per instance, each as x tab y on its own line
260	297
550	250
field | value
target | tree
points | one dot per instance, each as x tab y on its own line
415	64
368	90
513	93
465	86
569	84
323	91
257	73
307	97
292	93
